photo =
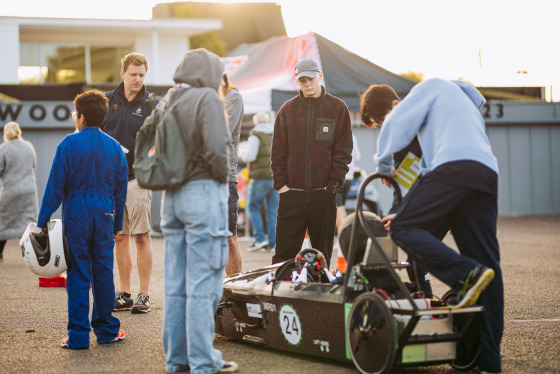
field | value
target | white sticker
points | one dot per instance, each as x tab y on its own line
269	307
325	129
324	345
239	326
290	324
254	310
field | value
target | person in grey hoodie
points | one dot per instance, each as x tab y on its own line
194	220
459	185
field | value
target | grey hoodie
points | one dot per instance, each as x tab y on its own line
201	113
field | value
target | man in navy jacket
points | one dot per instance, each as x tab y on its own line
128	108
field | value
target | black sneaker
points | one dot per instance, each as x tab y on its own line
142	304
229	367
268	249
478	279
122	302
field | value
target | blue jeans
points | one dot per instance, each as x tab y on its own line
194	225
261	192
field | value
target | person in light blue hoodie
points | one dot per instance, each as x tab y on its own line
459	184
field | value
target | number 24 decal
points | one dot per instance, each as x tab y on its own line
294	327
486	110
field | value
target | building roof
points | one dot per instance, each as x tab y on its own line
173	26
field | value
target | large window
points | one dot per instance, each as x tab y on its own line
65	63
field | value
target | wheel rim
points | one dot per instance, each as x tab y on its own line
371	334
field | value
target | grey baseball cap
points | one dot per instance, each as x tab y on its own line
307	68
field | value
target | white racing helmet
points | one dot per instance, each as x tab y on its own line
45	254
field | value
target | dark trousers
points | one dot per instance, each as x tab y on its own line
472	218
298	211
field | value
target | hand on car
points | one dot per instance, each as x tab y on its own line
387	220
393	174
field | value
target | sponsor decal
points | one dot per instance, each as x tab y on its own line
269	307
239	326
254	310
323	345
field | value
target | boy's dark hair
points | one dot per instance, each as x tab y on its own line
375	103
93	105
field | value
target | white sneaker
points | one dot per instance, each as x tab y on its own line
229	367
257	245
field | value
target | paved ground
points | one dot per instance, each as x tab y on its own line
33	319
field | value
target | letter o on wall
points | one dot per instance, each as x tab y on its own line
42	112
64	109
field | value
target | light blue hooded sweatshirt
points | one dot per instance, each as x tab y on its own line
445	115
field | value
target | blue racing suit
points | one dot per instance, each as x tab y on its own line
89	177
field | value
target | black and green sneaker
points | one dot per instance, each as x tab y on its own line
142	304
478	279
122	302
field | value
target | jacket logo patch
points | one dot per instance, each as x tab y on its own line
325	129
114	106
138	112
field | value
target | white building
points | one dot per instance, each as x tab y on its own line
57	50
45	54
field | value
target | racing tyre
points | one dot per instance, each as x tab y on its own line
370	334
468	348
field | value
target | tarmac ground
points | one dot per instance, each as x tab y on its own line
33	319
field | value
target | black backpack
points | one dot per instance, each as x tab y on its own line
161	158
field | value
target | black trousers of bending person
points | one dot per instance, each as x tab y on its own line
298	211
472	218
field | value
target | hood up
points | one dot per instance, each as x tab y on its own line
200	68
473	94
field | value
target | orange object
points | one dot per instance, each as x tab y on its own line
306	242
341	263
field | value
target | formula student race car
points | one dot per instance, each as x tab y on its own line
368	315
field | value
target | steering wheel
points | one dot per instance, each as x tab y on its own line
314	261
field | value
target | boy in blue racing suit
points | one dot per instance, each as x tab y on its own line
89	177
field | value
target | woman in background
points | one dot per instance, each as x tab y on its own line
18	191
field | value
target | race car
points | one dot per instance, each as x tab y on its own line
370	316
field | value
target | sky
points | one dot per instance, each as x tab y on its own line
486	42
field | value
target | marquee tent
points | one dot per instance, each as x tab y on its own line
264	72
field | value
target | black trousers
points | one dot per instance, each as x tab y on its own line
472	217
298	211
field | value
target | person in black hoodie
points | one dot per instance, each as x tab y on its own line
128	108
